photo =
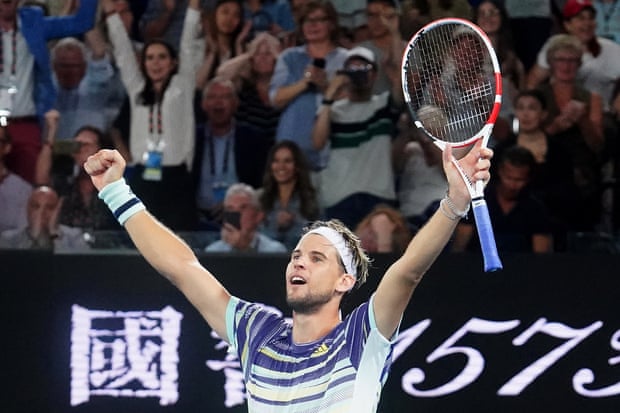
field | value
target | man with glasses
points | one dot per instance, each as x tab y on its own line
359	129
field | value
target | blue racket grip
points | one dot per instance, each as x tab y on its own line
485	233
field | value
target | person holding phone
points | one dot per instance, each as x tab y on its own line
241	219
301	76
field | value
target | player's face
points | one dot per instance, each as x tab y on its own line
312	274
530	113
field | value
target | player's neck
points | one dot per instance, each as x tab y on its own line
312	327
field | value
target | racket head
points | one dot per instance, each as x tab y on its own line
451	82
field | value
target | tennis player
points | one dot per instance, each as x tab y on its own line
320	362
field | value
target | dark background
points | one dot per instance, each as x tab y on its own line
574	290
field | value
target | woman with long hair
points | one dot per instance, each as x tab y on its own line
287	197
160	88
600	64
225	34
492	17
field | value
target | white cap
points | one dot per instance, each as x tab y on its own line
361	52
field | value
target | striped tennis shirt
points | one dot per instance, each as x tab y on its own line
342	372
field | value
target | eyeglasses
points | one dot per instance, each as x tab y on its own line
321	19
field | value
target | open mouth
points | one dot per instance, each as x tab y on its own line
296	280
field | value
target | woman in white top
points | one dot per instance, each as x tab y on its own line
161	92
600	62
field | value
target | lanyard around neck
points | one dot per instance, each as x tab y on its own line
212	154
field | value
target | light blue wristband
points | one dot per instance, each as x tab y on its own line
122	202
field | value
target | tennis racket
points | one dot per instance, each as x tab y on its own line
452	85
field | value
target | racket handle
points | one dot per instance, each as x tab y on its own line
485	233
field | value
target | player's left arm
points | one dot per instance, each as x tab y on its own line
402	277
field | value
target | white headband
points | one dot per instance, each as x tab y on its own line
337	240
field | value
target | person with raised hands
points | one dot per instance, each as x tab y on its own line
306	355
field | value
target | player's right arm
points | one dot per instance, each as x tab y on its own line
166	252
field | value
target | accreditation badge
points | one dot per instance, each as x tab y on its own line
152	166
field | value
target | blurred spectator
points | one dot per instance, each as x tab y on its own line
226	152
59	165
551	180
351	19
531	23
491	16
415	14
287	196
384	230
29	92
241	222
449	8
600	63
611	170
14	190
82	83
271	16
251	73
422	181
42	230
161	93
575	120
607	19
359	130
301	76
225	37
520	221
384	41
164	19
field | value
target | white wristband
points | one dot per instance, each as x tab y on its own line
122	202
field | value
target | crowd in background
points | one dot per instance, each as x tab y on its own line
243	121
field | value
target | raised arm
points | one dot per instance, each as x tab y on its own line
401	279
166	252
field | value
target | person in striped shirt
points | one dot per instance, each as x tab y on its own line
320	362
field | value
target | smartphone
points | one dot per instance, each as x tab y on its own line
318	62
233	218
65	147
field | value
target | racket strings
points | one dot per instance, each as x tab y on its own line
450	82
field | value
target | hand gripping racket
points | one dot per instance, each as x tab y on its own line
453	87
